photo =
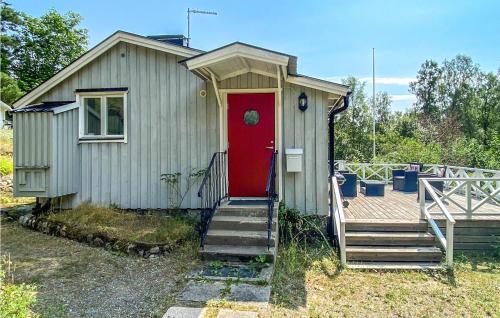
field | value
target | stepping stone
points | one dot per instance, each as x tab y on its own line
201	291
184	312
246	293
229	313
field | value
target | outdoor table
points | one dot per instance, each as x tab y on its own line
373	188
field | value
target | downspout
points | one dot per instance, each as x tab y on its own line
331	161
331	129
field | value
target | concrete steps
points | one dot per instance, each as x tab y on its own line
390	244
244	223
237	253
239	233
238	237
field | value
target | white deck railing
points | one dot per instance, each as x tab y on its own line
337	210
467	188
486	178
446	242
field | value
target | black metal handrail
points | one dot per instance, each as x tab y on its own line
271	196
212	190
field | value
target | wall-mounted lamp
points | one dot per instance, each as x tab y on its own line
303	101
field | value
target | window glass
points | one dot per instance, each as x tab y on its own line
92	115
115	115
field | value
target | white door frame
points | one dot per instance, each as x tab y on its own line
223	133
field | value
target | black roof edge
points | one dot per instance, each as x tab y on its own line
42	107
110	89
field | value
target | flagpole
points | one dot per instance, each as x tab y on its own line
373	100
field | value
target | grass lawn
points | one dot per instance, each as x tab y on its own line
75	280
128	226
308	283
321	290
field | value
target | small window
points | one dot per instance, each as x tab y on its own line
103	116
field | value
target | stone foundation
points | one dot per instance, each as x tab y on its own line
145	250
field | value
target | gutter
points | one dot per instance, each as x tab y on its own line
331	128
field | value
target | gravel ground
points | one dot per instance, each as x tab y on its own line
76	280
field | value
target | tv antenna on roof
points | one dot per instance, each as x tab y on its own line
195	11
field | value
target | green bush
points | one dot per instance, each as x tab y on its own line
396	149
6	165
16	300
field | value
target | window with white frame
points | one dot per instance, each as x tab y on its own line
103	115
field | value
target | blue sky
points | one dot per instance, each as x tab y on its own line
331	38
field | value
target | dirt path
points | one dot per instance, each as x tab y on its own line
75	280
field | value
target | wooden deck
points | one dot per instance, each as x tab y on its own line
404	206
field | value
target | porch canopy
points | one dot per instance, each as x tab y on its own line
239	58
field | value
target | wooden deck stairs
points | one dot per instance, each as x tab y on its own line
239	233
390	244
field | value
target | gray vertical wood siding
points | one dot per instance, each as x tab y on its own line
171	128
306	190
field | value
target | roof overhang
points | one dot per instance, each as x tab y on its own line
240	58
89	56
4	106
319	84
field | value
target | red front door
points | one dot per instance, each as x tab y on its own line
251	142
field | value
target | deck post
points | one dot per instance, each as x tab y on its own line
468	197
421	197
343	258
449	243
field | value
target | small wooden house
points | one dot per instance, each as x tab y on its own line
4	108
105	128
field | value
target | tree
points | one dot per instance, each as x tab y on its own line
45	46
9	91
487	108
426	89
353	127
10	21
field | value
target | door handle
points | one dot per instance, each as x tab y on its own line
270	147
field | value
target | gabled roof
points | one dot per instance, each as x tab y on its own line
89	56
241	48
4	106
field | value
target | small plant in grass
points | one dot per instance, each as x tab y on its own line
6	165
176	194
216	266
16	300
294	226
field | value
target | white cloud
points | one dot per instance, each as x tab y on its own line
403	98
401	81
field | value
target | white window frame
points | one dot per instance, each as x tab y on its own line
103	137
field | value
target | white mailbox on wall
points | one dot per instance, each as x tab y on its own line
294	159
